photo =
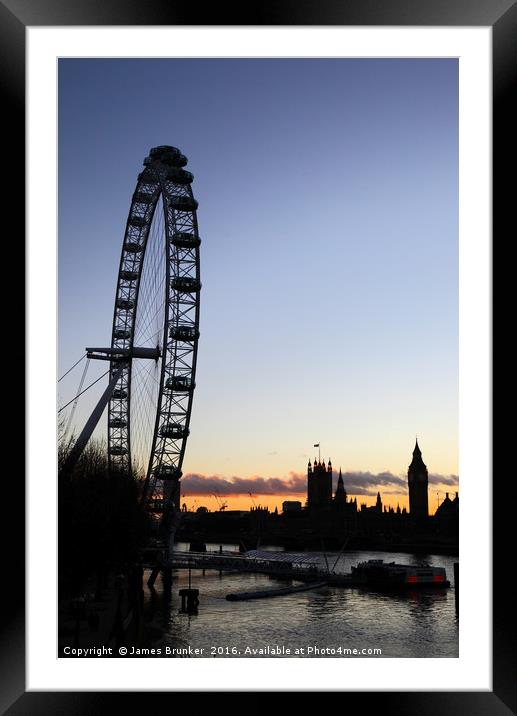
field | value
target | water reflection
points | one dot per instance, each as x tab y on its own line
419	623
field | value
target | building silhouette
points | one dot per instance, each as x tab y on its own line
291	506
340	495
332	518
447	515
320	498
341	505
448	510
418	480
319	485
319	491
378	504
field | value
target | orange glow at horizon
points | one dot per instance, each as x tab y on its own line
244	502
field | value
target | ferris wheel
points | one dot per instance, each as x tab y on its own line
155	330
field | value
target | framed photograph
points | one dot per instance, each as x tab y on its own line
308	198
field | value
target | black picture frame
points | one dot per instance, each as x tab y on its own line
15	16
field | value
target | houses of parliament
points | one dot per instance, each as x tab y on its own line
331	518
321	500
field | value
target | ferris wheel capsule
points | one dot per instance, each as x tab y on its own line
133	247
173	430
179	383
158	152
129	275
167	155
117	423
179	176
184	333
118	450
167	472
125	303
121	333
184	203
184	240
186	284
138	221
141	197
148	178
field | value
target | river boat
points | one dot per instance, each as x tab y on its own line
380	574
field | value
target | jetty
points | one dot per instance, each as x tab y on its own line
307	568
296	566
279	592
300	567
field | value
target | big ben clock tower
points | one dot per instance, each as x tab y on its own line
417	478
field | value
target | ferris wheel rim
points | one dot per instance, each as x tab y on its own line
163	179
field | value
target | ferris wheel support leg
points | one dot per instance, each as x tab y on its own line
172	514
170	544
80	443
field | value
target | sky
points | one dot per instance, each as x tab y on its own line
328	212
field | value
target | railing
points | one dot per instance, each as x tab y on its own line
217	561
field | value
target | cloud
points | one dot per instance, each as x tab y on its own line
452	480
194	484
368	483
356	483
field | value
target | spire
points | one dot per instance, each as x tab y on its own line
340	495
417	461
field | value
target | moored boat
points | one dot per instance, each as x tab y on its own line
380	574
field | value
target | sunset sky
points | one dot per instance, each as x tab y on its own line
328	210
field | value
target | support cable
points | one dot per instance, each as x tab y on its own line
71	369
84	391
72	412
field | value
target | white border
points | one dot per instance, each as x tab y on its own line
472	670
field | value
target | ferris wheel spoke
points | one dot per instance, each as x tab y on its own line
143	334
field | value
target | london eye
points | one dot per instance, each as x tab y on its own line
155	331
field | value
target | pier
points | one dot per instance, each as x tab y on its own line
267	593
301	567
306	568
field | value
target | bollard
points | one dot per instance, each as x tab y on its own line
189	600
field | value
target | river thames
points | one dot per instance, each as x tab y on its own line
324	622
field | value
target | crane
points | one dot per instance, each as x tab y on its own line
222	505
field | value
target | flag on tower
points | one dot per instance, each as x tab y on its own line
317	445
